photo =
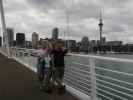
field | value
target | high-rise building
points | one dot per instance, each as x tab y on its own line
84	44
43	42
20	40
35	40
114	43
14	43
55	33
10	34
103	40
72	45
0	41
28	44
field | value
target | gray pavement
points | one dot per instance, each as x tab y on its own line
19	83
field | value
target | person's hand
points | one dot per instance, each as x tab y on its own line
63	48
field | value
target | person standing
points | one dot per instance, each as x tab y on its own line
42	65
58	54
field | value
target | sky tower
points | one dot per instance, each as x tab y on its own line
100	26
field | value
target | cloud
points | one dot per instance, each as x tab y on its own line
43	15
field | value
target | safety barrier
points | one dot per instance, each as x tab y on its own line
112	78
28	58
94	77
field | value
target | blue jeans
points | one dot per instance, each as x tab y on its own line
41	70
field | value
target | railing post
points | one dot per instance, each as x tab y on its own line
93	78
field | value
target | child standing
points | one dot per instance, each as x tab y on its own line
42	65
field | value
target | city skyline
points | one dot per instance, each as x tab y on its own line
43	15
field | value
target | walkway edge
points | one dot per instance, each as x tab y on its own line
3	53
78	94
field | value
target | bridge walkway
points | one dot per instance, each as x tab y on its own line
19	83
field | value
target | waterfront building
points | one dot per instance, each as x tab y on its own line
43	42
72	45
14	43
28	44
55	33
93	43
84	44
35	39
114	43
98	42
10	34
103	40
20	40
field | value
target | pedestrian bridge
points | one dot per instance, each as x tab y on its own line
19	83
87	77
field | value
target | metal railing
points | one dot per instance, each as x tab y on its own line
98	77
71	77
114	76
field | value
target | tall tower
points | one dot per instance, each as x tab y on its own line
100	26
20	40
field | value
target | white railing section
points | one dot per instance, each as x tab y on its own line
89	75
26	57
86	71
110	82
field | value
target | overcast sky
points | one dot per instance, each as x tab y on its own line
42	16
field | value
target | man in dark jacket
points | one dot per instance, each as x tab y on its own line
58	54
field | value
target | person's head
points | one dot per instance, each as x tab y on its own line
57	45
44	47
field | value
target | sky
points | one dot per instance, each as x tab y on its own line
42	16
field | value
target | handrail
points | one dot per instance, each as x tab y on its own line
104	58
73	83
118	72
109	93
83	71
86	76
128	89
71	74
113	89
80	64
78	80
78	75
105	96
120	81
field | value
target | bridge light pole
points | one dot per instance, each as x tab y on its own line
5	35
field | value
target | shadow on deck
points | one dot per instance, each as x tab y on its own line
19	83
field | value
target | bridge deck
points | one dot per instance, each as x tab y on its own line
19	83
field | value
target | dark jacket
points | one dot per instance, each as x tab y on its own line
58	57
